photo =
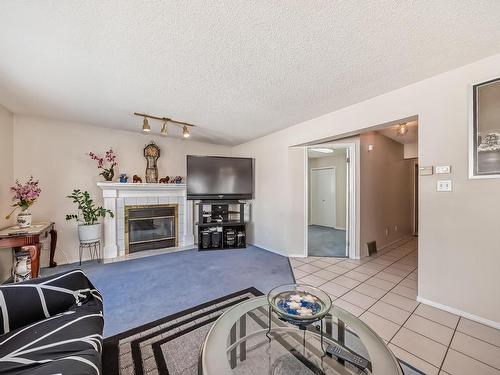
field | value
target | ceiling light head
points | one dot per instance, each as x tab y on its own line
402	129
323	150
185	132
164	130
145	126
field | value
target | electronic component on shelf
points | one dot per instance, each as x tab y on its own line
216	238
241	239
230	237
206	238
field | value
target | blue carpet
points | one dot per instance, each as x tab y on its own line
139	291
326	242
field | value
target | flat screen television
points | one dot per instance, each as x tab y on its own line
216	177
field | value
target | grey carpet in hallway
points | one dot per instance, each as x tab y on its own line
326	242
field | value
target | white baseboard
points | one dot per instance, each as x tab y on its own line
455	311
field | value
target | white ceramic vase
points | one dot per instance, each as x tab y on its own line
22	269
24	219
89	233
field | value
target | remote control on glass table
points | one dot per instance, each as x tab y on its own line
347	355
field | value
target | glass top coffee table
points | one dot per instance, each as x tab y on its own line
240	342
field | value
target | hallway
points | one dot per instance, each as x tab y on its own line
326	241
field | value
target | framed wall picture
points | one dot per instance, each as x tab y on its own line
484	153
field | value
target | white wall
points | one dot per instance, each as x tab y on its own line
6	180
338	160
459	253
55	153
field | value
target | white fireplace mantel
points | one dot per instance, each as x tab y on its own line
118	195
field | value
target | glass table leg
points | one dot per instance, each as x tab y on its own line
232	338
243	333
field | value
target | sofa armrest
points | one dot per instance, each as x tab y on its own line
34	300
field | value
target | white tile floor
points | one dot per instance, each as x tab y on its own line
382	291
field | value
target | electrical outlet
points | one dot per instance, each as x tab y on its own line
444	185
386	232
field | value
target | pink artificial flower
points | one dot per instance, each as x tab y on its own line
26	194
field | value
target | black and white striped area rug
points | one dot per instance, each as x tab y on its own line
170	345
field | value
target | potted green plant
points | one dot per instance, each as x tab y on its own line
89	228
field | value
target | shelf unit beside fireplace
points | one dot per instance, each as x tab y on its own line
227	233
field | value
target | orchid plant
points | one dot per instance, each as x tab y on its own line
24	195
106	163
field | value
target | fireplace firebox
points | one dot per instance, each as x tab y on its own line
149	227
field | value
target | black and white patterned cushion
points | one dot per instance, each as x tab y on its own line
51	326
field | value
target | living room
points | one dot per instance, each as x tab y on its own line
149	90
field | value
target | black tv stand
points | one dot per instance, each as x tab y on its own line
220	225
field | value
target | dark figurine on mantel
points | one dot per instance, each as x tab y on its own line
164	180
151	153
136	179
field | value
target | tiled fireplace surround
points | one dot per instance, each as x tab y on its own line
119	195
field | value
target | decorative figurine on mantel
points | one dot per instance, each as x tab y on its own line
123	178
151	153
24	195
164	180
136	179
108	171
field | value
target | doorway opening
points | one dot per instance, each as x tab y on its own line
329	185
388	184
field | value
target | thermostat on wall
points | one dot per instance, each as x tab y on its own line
426	171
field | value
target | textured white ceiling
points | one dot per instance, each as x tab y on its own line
240	69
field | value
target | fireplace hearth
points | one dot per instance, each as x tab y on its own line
149	227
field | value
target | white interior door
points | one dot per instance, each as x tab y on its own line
323	197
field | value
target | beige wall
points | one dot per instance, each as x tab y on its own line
55	153
6	180
459	253
411	150
338	160
385	191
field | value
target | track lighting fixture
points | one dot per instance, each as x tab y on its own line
145	126
164	131
402	129
185	132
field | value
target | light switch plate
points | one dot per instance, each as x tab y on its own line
426	171
443	169
444	185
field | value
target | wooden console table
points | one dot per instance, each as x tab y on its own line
30	238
